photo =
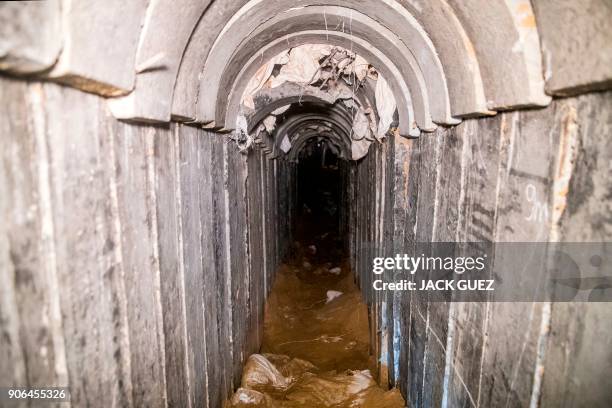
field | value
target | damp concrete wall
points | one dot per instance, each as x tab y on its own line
526	176
134	259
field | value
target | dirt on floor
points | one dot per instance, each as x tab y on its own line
316	346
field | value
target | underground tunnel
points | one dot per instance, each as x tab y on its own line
194	196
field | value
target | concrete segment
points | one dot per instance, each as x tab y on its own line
187	85
576	45
166	31
506	44
114	28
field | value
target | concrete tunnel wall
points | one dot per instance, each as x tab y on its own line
116	250
137	256
472	183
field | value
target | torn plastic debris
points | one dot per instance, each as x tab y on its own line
359	148
261	77
285	144
335	271
332	390
244	396
241	136
302	66
269	123
280	110
361	125
385	106
261	374
305	386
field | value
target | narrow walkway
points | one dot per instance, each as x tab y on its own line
316	343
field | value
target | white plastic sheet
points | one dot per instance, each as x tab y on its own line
385	105
302	66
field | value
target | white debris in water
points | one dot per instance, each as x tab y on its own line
361	380
246	396
260	372
336	270
332	294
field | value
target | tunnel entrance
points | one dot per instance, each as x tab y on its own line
321	113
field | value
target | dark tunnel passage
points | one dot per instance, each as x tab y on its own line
319	183
319	341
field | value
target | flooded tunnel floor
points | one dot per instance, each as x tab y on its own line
316	343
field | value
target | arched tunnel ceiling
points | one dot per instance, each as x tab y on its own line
388	69
282	118
453	59
359	30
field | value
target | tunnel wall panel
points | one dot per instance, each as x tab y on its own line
235	175
139	260
23	249
579	378
170	246
192	253
118	254
256	248
214	292
476	182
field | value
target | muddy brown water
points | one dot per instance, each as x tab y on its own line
316	343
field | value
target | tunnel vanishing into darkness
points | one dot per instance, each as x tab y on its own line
155	157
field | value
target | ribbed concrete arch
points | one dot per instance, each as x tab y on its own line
407	44
335	119
304	138
456	53
461	51
268	100
452	46
301	139
192	64
362	27
240	71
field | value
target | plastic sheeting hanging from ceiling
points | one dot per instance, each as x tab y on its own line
336	71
